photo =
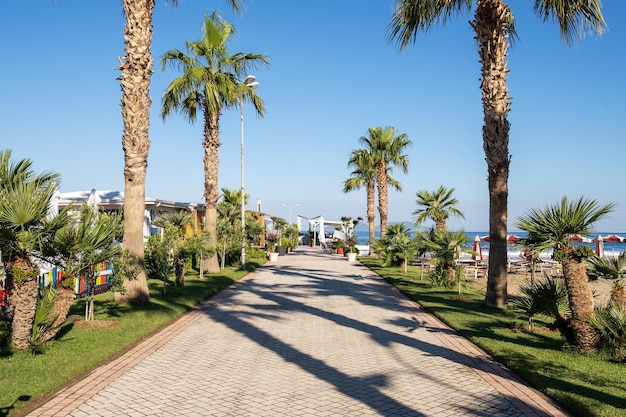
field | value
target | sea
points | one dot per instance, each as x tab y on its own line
611	248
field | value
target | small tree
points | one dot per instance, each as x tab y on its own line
90	239
292	234
397	247
446	246
174	227
198	246
157	258
228	241
552	227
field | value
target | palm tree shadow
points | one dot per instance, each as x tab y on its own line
281	299
5	411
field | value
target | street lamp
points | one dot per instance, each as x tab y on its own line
290	207
250	83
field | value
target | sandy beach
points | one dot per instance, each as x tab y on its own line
601	287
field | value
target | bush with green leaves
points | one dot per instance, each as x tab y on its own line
256	253
157	258
445	247
44	319
439	278
547	296
611	323
397	248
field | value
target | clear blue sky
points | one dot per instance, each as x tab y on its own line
333	75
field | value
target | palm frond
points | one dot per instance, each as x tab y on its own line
413	16
576	19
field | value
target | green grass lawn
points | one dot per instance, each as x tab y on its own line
587	385
25	377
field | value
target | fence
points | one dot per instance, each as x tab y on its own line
101	282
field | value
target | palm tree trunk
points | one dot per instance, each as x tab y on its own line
23	305
23	295
136	72
179	271
371	214
381	180
490	24
618	296
581	305
211	146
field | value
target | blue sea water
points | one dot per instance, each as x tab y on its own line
610	248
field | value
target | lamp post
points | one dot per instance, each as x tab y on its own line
290	207
249	82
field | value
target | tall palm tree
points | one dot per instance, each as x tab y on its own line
24	199
386	149
210	82
363	175
552	227
437	206
494	28
136	74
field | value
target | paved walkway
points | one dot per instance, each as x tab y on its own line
308	335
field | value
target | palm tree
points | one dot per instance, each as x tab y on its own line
386	149
363	175
136	74
613	267
230	206
24	199
210	82
494	28
89	239
552	227
174	225
437	206
399	245
446	247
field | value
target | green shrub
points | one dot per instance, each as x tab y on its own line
547	296
439	278
157	258
256	253
611	323
5	338
43	319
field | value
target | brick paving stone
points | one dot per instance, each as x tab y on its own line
309	335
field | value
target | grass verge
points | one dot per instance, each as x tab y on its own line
587	385
25	378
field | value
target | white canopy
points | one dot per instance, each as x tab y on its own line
320	222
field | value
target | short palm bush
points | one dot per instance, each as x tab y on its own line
611	323
547	296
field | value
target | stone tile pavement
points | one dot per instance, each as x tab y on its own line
308	335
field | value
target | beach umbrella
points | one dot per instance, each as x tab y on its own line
599	246
512	238
509	238
613	238
580	238
478	255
